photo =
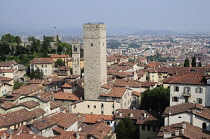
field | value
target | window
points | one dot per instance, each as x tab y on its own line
112	112
108	123
94	106
199	100
148	127
88	106
204	125
91	44
102	112
186	90
102	105
112	105
143	127
175	99
199	90
176	88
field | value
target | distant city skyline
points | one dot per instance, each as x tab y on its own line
173	15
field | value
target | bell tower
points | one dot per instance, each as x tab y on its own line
76	57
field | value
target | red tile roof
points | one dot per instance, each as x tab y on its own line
153	64
59	56
136	93
145	117
99	130
115	92
8	63
66	85
65	96
42	61
186	79
188	131
93	118
26	90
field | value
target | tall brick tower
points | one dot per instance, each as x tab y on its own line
76	57
95	67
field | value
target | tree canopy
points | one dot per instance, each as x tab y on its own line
186	63
36	74
126	129
156	99
193	64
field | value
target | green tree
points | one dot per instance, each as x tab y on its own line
17	85
156	99
186	63
3	57
126	129
36	74
59	63
193	61
120	130
17	39
199	64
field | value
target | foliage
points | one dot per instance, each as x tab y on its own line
10	39
36	74
113	44
17	85
156	99
126	129
193	61
157	57
186	63
199	64
59	63
4	48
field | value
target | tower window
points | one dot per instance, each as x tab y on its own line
91	44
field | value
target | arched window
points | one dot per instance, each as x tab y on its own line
204	125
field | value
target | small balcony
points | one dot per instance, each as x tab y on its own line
186	94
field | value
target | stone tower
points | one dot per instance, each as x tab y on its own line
95	67
76	57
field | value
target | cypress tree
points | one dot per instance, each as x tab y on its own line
193	61
186	63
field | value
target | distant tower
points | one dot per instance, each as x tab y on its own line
95	67
76	57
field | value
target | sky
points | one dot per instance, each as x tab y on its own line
174	15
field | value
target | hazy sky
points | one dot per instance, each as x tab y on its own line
175	15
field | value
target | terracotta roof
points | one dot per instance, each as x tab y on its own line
148	84
115	92
54	104
42	61
45	96
36	81
64	120
7	70
186	79
52	80
25	90
66	85
196	109
30	104
19	116
99	130
106	86
126	83
6	79
153	64
59	56
136	93
72	135
93	118
7	105
8	63
26	136
63	68
145	117
184	130
65	96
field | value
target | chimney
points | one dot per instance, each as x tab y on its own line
182	131
145	114
131	114
167	135
176	132
169	112
120	114
184	125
